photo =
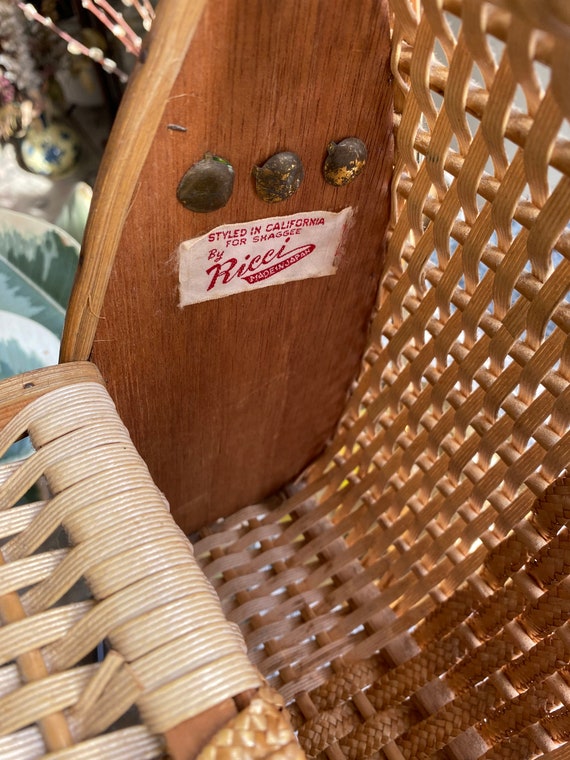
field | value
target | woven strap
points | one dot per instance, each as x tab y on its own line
260	732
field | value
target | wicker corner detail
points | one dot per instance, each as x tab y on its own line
111	636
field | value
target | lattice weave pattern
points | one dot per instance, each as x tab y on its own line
411	598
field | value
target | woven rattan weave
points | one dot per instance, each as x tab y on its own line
411	597
111	636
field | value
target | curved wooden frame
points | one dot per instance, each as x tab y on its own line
129	143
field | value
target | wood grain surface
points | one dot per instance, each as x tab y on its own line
228	400
19	391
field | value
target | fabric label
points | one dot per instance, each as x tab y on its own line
235	258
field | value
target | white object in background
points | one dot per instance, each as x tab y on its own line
73	214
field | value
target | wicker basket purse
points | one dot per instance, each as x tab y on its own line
408	596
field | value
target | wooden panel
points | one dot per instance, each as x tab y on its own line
227	400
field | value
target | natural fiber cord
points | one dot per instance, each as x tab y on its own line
103	607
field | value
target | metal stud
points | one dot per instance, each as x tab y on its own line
279	177
345	161
207	185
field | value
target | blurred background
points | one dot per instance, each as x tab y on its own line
64	65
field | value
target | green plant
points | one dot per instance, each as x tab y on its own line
37	267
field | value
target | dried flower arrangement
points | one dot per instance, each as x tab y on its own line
21	74
20	81
110	18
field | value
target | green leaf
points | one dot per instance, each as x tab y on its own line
15	358
37	268
25	345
